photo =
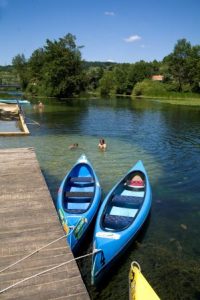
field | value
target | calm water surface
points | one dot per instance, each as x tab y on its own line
167	139
9	126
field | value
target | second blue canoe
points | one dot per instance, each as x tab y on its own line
121	216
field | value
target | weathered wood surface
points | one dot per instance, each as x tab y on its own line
28	221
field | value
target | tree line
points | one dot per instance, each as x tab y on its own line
58	70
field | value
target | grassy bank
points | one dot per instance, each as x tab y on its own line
162	92
179	101
172	99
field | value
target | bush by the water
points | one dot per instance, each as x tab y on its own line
150	88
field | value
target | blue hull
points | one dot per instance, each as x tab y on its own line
78	201
14	101
121	216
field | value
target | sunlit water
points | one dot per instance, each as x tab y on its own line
167	139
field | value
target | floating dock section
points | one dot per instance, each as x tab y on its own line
28	221
14	110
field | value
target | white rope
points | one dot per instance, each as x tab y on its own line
34	122
48	270
36	251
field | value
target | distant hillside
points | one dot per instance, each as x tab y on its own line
6	68
104	65
8	75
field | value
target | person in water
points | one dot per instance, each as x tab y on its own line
102	144
73	146
40	104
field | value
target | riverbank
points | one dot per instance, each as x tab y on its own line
189	99
176	98
171	100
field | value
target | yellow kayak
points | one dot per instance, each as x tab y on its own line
139	288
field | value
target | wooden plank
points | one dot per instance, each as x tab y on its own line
28	221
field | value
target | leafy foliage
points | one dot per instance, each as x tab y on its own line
57	69
54	70
20	64
150	88
107	83
178	62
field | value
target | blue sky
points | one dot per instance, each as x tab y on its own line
109	30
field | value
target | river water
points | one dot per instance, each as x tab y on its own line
167	139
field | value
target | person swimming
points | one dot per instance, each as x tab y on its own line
40	104
73	146
102	144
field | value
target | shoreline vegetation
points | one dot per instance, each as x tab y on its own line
170	98
173	100
57	70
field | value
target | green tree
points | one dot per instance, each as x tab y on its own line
93	75
178	62
120	73
62	70
107	83
36	63
20	65
193	64
54	70
139	71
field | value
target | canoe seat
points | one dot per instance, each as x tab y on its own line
133	193
81	181
76	211
126	201
79	195
134	188
117	222
77	202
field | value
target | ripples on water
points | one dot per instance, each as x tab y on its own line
167	139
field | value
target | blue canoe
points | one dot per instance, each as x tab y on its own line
14	101
121	216
78	200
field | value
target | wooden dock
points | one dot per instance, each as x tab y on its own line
28	221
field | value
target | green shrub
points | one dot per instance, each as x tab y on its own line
157	89
149	88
